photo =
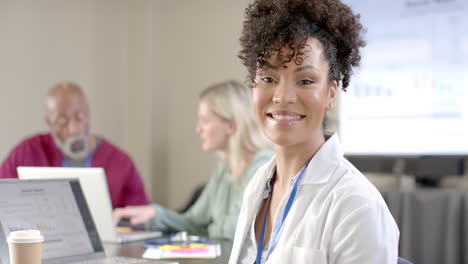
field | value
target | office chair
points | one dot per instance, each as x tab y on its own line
403	261
198	191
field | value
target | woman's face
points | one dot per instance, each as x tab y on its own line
290	100
213	130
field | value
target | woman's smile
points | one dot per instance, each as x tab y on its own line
283	117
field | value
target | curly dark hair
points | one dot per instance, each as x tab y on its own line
272	24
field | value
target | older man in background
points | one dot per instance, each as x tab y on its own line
71	144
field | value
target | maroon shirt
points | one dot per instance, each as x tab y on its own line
123	179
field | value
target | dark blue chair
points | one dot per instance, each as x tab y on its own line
403	261
193	199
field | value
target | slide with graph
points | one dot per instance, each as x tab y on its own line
409	95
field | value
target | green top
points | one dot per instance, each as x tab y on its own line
216	210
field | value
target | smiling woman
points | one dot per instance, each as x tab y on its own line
290	101
309	204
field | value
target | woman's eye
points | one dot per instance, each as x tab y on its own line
305	82
267	79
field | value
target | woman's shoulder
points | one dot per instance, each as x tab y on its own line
261	158
354	190
259	175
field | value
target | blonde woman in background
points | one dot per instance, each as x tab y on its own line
226	126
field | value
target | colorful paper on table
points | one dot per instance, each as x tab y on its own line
171	251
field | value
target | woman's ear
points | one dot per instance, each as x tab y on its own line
232	127
331	95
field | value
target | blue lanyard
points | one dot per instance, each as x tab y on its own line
88	161
278	227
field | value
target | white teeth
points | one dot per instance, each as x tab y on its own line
286	117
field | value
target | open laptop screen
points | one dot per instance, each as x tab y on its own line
57	208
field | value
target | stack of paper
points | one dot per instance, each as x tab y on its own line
205	251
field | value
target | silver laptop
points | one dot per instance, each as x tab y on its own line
59	210
94	185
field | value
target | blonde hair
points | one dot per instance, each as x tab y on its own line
232	101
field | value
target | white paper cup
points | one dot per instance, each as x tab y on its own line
25	247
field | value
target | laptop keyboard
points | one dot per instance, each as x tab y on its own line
136	236
112	260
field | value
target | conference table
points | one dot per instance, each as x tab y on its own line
433	226
136	250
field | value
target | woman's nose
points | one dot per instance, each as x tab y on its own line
285	93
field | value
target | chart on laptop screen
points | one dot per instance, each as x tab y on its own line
50	207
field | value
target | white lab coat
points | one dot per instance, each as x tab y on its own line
337	217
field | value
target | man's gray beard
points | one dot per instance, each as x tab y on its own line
70	150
